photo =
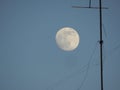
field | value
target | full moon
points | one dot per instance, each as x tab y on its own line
67	39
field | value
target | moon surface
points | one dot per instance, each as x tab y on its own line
67	39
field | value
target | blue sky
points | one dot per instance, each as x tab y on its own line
30	58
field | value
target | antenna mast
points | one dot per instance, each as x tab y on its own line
101	39
101	44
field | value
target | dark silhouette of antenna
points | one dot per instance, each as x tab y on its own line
101	39
90	6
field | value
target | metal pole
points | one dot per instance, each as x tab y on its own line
101	45
101	39
89	3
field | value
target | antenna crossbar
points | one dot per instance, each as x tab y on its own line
89	7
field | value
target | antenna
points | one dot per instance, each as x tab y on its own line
89	3
101	39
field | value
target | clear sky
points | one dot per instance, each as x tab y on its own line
30	58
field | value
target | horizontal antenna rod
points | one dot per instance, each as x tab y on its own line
89	7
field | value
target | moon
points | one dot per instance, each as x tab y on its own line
67	39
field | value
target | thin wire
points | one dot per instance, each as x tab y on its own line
104	57
81	70
104	30
88	67
67	77
104	50
116	48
